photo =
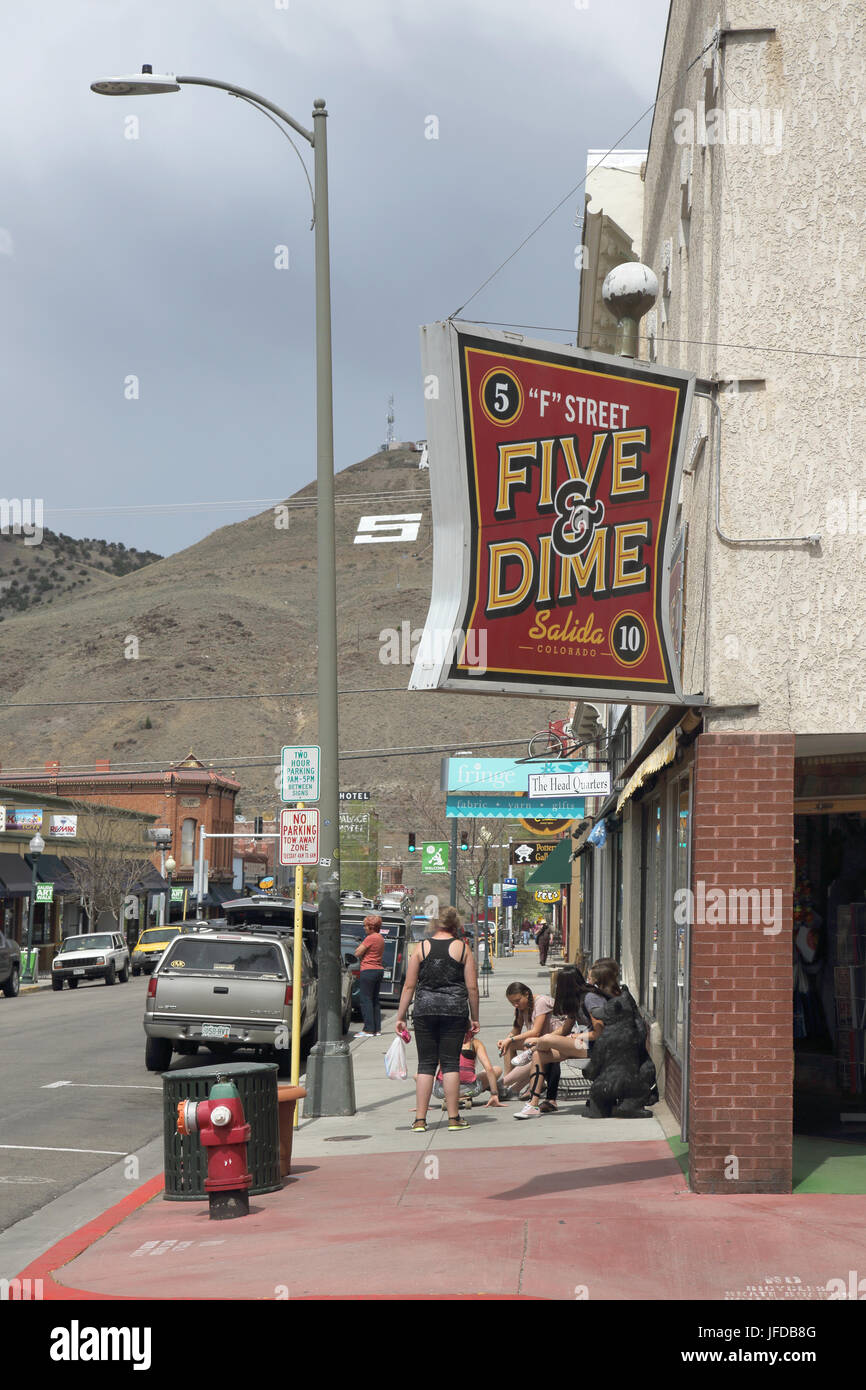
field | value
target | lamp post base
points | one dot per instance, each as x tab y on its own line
330	1081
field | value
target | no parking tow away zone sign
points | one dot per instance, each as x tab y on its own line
299	837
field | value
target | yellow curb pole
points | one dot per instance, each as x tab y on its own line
297	970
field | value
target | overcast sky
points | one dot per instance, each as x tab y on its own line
154	256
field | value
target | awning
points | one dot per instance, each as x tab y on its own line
51	869
555	870
16	876
658	758
151	881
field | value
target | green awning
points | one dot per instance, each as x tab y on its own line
555	870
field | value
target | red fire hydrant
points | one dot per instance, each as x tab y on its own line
219	1122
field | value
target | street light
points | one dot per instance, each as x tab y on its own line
35	848
170	866
485	835
330	1082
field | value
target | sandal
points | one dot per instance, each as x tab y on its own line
457	1122
549	1107
419	1127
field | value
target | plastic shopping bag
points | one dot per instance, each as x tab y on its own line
396	1068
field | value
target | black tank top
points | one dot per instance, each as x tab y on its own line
441	987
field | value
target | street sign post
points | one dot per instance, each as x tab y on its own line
45	893
434	857
299	773
299	837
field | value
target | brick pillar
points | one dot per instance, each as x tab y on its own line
741	1061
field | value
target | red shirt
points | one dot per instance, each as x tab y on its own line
374	952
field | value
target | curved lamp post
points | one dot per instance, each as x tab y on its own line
330	1082
170	866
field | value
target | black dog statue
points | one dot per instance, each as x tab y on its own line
620	1068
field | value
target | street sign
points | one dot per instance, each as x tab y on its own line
45	893
557	784
177	894
299	837
299	773
434	857
509	892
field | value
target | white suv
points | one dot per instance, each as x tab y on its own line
96	956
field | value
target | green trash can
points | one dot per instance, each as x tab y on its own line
186	1156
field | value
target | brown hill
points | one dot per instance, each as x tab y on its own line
36	575
236	614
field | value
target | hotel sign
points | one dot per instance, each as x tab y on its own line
554	477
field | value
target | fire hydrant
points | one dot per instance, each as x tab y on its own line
219	1122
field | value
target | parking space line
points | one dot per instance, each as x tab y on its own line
47	1149
99	1086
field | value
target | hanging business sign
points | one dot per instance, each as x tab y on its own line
547	895
62	827
27	819
481	776
553	784
555	475
519	808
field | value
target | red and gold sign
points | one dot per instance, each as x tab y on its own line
560	471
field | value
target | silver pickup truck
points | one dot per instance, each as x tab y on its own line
227	990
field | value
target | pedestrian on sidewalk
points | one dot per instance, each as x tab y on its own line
542	941
442	979
568	1040
532	1019
472	1082
371	953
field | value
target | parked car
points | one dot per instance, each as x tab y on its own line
231	989
10	966
92	956
151	944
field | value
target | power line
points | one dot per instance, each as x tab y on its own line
226	504
582	181
197	699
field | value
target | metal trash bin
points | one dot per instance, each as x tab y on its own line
185	1155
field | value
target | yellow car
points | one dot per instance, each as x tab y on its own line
151	944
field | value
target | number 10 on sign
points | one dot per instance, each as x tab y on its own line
299	837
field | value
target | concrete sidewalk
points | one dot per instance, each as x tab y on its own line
559	1207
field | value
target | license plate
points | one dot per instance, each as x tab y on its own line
78	972
214	1030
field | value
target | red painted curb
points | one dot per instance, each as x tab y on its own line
65	1250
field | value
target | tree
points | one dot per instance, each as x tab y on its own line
106	864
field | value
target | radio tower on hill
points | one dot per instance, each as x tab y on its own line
390	441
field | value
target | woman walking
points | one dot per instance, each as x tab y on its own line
371	953
542	941
442	979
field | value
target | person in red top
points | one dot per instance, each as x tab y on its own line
371	953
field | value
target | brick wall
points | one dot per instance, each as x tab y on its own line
741	1051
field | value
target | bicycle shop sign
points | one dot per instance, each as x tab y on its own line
554	478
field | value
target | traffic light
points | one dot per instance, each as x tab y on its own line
464	839
411	841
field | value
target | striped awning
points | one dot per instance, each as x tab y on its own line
657	759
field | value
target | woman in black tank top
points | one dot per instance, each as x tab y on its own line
442	979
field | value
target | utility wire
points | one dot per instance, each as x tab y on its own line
194	699
582	181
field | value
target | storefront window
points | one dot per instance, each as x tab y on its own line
679	984
652	905
187	843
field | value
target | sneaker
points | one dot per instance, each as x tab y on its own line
457	1122
529	1112
362	1034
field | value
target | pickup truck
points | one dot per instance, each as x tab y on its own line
226	990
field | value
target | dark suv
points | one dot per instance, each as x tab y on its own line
10	966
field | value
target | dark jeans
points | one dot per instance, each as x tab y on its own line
371	983
439	1038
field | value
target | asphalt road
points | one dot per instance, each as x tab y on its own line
93	1038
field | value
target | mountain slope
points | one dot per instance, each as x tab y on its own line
236	614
